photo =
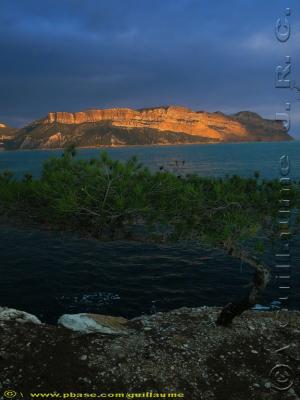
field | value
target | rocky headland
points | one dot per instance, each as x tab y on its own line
151	126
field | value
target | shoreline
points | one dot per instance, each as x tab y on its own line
152	145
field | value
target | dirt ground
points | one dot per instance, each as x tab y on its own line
181	352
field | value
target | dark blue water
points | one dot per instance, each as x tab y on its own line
50	273
207	160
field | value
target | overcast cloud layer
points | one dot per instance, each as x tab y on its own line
70	55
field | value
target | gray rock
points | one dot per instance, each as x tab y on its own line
10	314
118	353
91	323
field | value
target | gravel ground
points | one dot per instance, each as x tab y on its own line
182	351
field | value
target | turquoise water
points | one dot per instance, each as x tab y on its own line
207	160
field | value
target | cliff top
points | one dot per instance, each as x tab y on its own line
160	109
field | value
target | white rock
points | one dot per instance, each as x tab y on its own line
91	323
10	314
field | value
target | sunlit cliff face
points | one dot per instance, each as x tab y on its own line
175	119
151	126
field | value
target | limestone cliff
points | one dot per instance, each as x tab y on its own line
174	119
160	125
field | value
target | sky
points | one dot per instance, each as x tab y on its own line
213	55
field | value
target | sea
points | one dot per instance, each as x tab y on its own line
206	160
52	273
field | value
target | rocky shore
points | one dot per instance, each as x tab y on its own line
182	351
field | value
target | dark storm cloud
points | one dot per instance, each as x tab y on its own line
74	54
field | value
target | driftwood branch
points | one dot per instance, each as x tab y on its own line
260	281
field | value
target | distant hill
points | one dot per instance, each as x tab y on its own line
7	132
159	126
7	136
